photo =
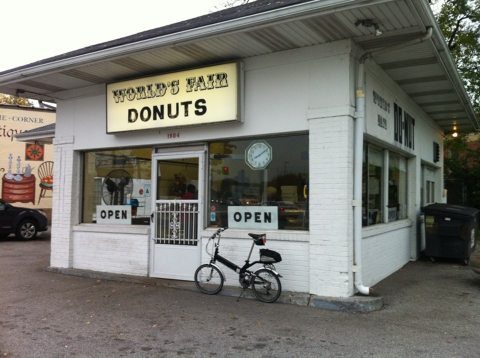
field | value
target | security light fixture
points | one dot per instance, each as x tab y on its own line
369	23
454	132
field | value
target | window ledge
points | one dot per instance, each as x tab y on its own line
277	235
117	229
384	228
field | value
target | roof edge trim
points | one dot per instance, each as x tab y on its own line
446	59
250	21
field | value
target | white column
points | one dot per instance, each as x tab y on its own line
331	211
385	185
414	184
62	213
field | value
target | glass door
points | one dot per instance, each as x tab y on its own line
177	214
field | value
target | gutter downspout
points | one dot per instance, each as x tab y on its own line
357	176
358	157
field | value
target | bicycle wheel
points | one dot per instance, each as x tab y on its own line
209	279
267	286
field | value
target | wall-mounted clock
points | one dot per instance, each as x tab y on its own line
258	155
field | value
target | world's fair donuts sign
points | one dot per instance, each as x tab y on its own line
198	96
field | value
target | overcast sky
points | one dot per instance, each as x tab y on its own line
33	30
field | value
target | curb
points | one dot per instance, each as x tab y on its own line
354	304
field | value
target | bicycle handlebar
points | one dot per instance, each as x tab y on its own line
211	238
219	230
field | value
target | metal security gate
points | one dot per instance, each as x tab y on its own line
177	182
177	222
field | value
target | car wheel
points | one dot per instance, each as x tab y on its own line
26	230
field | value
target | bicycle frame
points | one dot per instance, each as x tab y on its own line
232	266
265	282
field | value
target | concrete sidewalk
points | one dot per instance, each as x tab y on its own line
430	310
357	304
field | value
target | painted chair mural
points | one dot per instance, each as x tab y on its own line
45	175
19	183
25	145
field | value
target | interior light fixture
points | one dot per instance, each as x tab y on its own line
369	23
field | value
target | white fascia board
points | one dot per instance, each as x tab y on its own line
37	136
247	22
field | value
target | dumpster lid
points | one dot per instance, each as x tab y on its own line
450	209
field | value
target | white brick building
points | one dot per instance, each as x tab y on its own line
349	101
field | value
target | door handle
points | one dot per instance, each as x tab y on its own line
151	217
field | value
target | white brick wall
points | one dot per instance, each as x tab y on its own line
331	219
120	252
385	253
61	244
293	248
318	261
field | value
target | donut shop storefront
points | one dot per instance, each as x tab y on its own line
202	177
260	119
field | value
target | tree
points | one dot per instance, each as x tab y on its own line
459	21
13	100
462	170
232	3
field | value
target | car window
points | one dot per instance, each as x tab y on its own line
2	206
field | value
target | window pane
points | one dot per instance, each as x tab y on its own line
365	185
430	195
397	188
432	192
374	185
117	177
237	179
177	179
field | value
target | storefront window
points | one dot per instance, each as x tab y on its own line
374	190
118	183
267	172
372	185
430	195
397	188
428	187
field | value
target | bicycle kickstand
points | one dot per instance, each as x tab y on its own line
241	294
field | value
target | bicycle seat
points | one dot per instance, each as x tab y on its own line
259	239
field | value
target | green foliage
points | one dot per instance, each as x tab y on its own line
459	21
460	24
462	168
13	100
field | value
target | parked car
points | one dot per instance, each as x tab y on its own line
475	260
25	223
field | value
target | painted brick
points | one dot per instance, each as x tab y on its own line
106	252
293	268
384	254
61	248
331	191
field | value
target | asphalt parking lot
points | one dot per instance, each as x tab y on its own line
431	310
